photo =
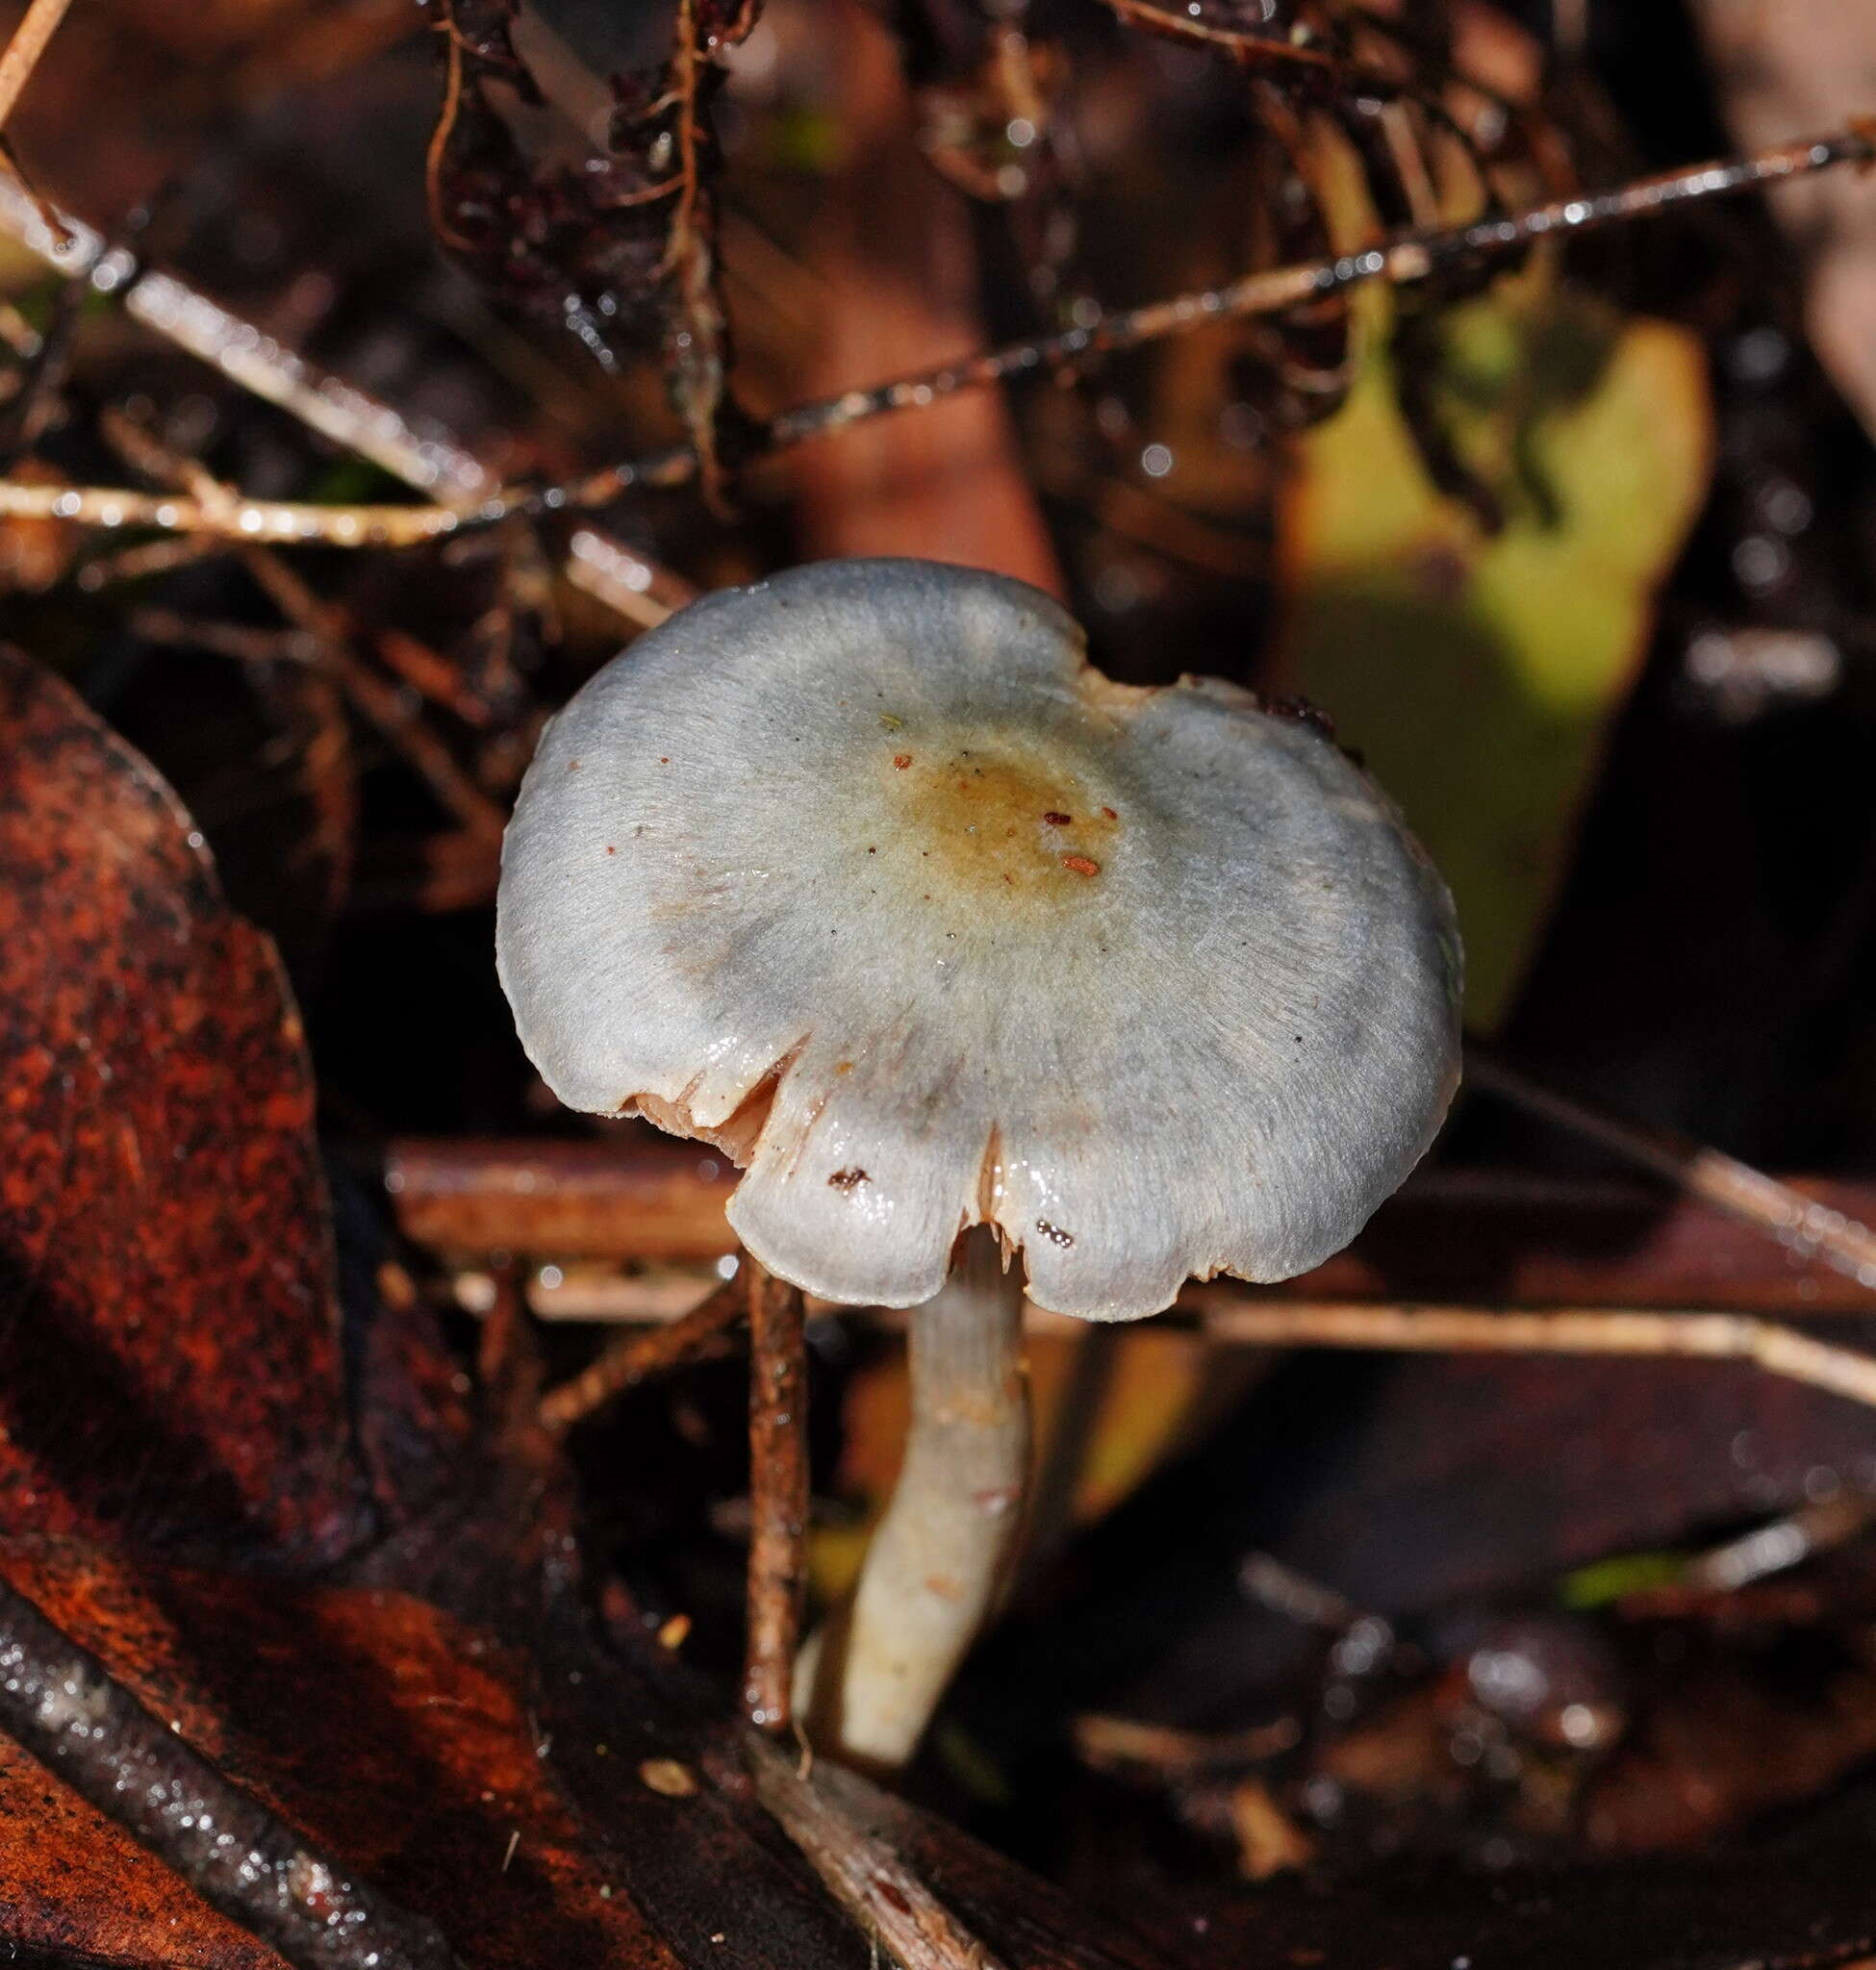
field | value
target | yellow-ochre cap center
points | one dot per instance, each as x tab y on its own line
993	819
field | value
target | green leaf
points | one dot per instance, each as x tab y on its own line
1477	671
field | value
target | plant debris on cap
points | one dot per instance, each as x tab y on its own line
865	875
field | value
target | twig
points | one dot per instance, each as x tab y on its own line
778	1493
1778	1545
240	518
232	640
66	1709
1796	1221
427	460
439	144
146	558
654	1350
881	1894
499	1343
1106	1742
426	670
380	702
1502	1237
243	352
1782	1351
23	51
331	630
1401	262
1242	1316
624	579
1264	1579
642	1196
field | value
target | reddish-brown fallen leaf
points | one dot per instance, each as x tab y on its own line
393	1736
553	1805
1784	71
892	242
170	1362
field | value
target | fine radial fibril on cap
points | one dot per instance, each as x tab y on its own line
864	874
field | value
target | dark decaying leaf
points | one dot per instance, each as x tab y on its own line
1775	1910
169	1355
1408	1486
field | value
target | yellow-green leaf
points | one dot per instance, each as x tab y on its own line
1477	672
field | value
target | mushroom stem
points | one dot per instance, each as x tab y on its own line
942	1551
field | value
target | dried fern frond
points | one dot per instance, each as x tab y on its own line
585	192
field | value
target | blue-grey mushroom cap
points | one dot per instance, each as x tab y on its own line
864	874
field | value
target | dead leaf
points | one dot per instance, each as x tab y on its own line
1787	72
893	245
170	1364
398	1739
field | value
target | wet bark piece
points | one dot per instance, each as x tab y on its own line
169	1366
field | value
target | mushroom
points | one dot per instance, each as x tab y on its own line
969	955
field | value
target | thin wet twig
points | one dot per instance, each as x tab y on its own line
61	1703
382	704
778	1493
1490	1237
28	42
237	519
424	458
1799	1222
330	632
651	1351
1110	1742
1400	260
1227	1314
1779	1545
883	1898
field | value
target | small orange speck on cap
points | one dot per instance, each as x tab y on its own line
901	760
1081	864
